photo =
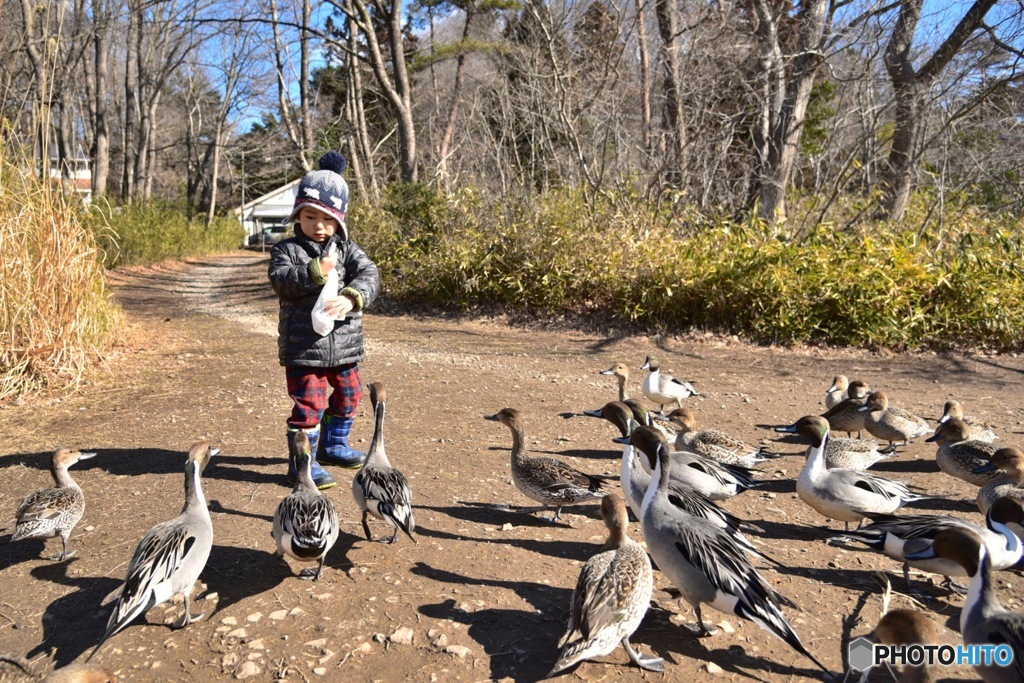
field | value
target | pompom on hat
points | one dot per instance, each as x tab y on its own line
325	190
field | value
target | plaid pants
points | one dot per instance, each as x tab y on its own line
307	387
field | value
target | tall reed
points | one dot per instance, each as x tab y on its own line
56	313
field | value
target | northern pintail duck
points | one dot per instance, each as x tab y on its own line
845	495
890	423
305	523
549	481
704	562
958	455
16	669
854	454
715	480
665	389
379	489
712	443
898	536
611	597
846	415
978	429
55	511
907	627
621	373
170	556
1009	463
983	620
836	393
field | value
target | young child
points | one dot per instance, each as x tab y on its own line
298	270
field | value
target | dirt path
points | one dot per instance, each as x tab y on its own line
484	594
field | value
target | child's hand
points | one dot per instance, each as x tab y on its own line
328	261
338	307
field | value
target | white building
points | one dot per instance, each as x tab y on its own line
74	173
269	211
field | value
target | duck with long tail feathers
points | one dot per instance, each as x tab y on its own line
380	489
170	556
305	522
704	562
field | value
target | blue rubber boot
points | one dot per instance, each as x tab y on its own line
334	448
321	477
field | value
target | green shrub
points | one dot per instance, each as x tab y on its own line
617	259
149	233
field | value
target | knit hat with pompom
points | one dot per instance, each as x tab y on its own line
325	190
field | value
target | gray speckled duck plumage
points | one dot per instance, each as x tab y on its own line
549	481
958	455
305	522
983	619
854	454
1009	464
890	423
846	416
611	597
54	511
170	557
712	443
977	429
379	489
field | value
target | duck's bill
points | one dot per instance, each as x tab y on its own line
623	440
786	429
984	469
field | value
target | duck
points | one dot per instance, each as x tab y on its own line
897	536
1009	464
305	523
665	389
634	479
704	562
958	455
379	489
979	430
715	480
171	556
54	511
621	373
983	619
549	481
907	627
846	415
712	443
890	423
855	454
836	393
844	495
611	597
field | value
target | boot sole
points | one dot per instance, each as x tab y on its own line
321	487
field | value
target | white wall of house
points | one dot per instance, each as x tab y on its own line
273	208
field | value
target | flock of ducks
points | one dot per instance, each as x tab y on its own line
672	478
171	556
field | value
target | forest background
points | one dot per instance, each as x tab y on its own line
826	171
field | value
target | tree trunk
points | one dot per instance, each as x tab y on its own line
673	120
788	125
36	47
645	73
910	87
453	107
101	66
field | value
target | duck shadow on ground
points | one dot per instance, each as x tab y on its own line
135	461
559	548
508	636
498	514
80	608
26	550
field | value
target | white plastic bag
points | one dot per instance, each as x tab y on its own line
322	322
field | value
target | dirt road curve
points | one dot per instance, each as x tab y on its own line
484	594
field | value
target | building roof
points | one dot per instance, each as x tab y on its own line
277	201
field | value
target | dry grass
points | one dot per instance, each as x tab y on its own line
56	313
